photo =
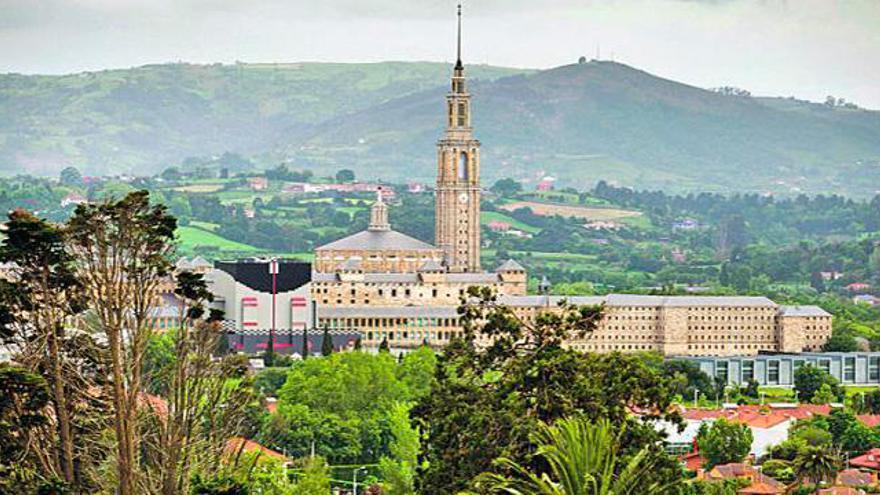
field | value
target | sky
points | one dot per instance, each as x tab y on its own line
803	48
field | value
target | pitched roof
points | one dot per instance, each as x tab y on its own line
763	487
869	420
868	460
687	301
854	477
239	443
803	311
840	490
510	266
378	240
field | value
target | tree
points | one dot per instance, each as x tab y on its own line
305	344
808	380
345	175
358	345
824	395
43	295
724	442
487	399
752	388
383	346
583	459
172	174
816	464
23	399
341	405
70	176
506	187
841	341
326	343
122	250
869	403
779	470
314	480
197	389
398	470
858	438
687	377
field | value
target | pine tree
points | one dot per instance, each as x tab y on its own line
358	345
383	346
326	343
305	353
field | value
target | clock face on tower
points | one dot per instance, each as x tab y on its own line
463	198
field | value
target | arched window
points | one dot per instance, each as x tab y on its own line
463	166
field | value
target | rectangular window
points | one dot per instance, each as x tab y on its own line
849	369
874	369
721	370
773	372
825	365
748	371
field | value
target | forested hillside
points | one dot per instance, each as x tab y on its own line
581	122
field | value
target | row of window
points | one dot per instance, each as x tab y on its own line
415	322
773	367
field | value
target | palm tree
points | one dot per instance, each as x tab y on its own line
816	464
583	460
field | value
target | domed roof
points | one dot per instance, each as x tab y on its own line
378	240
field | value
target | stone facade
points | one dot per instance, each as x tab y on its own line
457	204
672	326
388	286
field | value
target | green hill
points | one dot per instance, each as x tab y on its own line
604	120
582	123
146	118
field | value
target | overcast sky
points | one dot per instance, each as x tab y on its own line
804	48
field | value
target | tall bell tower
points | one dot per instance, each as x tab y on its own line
457	204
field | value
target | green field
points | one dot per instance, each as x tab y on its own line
193	237
210	227
490	216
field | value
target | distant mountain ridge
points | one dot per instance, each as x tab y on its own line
580	122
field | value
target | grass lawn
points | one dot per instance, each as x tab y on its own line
200	188
490	216
582	212
210	227
193	237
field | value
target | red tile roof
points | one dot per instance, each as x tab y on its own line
869	420
869	460
758	416
854	477
235	444
840	490
693	461
763	488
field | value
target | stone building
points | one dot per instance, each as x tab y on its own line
691	325
387	286
380	277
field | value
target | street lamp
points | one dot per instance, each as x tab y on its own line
355	479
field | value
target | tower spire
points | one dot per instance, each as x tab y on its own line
458	64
